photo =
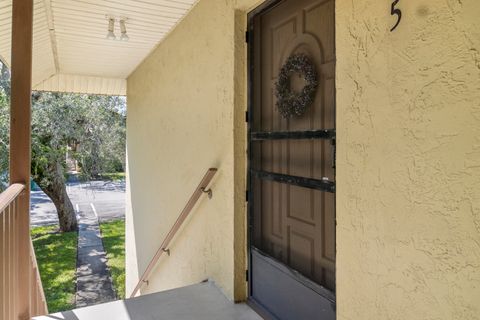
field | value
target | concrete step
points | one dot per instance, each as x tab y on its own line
202	301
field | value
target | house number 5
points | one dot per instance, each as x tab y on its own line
397	12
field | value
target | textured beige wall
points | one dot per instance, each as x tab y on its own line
182	119
408	162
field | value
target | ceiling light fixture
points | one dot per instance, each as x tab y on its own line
123	30
111	29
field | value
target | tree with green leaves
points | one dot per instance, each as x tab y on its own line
4	125
95	125
92	126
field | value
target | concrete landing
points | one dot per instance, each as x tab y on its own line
198	302
94	284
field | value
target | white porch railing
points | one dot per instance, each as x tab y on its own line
10	246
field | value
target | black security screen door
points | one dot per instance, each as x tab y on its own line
292	159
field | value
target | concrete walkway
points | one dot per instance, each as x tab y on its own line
197	302
94	284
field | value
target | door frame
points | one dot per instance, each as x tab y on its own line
261	9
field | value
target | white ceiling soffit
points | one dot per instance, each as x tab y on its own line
70	50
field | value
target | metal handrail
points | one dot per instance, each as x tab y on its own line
201	189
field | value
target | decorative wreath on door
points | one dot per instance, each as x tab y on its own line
289	102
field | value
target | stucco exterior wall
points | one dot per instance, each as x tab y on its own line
181	121
408	156
408	160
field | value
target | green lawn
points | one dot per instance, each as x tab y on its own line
115	176
57	260
113	234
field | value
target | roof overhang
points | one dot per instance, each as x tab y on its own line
71	52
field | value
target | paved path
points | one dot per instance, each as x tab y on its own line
107	197
93	201
94	284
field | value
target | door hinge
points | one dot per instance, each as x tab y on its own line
247	36
246	196
246	116
246	275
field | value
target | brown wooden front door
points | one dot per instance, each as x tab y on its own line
292	160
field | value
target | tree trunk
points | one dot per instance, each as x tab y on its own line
57	192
